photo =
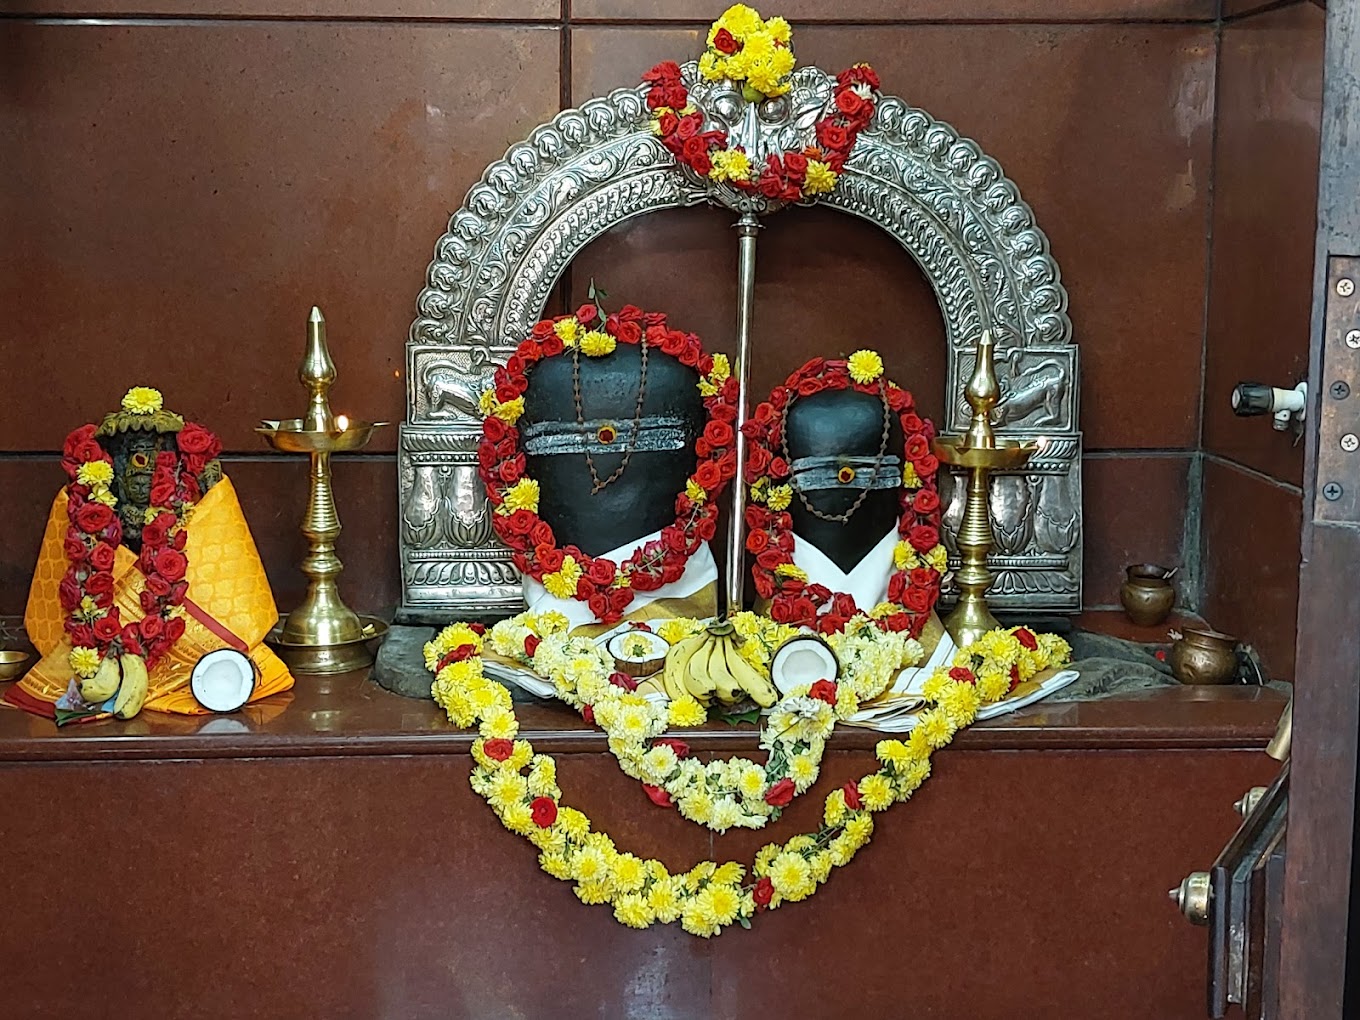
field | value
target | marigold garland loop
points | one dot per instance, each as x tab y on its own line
709	896
608	588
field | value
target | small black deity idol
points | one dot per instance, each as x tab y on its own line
611	441
844	449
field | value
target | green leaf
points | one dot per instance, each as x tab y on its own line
594	292
753	716
744	921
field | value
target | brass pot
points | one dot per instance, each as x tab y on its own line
1147	594
1204	657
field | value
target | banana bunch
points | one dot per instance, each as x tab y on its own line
123	675
708	665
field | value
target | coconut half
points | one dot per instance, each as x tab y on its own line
801	661
223	681
638	653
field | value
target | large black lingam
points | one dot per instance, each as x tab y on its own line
837	451
558	433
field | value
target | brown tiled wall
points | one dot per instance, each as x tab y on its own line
1260	300
187	179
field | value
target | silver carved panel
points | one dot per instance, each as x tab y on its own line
946	202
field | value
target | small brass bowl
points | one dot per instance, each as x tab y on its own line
323	660
13	665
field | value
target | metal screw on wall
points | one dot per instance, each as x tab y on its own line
1353	338
1345	287
1340	391
1331	492
1350	442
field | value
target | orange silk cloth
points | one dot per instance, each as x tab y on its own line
229	604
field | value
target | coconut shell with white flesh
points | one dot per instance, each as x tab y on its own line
801	661
639	653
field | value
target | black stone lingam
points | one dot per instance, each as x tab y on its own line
835	429
642	499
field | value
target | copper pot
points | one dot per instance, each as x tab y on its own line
1147	595
1204	657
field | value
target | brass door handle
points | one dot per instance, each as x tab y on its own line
1192	897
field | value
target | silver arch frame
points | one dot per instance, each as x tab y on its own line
589	169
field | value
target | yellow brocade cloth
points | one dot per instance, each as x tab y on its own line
229	604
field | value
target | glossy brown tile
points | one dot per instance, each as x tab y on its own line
1001	861
1105	129
1265	203
1251	550
1134	512
27	488
482	10
805	11
179	196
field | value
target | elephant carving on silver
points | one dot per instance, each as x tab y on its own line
453	391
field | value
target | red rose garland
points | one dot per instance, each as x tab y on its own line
914	586
788	177
86	590
566	572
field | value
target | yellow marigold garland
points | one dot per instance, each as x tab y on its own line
708	897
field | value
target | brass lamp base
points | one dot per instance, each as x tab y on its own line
326	659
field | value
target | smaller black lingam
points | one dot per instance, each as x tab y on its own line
844	449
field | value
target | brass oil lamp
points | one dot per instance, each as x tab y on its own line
980	452
323	635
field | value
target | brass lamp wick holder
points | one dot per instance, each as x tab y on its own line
979	452
322	635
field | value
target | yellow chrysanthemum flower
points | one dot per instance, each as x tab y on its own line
792	876
519	819
904	556
724	901
596	344
88	606
628	873
101	494
935	727
894	753
751	782
664	900
730	165
865	366
686	712
486	402
833	812
95	472
820	178
876	791
509	411
722	368
562	583
960	702
85	661
591	893
573	823
938	559
523	495
993	686
779	30
695	492
791	571
859	828
780	497
568	330
634	911
729	873
910	479
142	400
555	864
803	771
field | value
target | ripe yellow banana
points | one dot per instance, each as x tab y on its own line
698	680
729	689
748	678
132	693
101	687
677	661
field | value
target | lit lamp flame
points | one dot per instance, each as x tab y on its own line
341	422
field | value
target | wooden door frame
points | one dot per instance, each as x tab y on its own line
1327	666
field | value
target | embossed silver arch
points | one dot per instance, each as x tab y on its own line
590	169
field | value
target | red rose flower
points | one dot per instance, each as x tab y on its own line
106	628
68	591
927	501
962	675
162	493
719	433
808	387
498	748
587	314
588	714
602	571
832	136
795	164
927	466
708	475
725	42
851	793
780	794
658	796
82	634
757	541
531	643
158	586
510	470
102	556
549	558
916	599
923	537
764	586
544	811
763	892
823	690
520	523
924	577
781	610
1026	638
75	548
151	627
494	429
541	533
194	438
174	629
897	622
171	564
93	518
618	600
100	583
